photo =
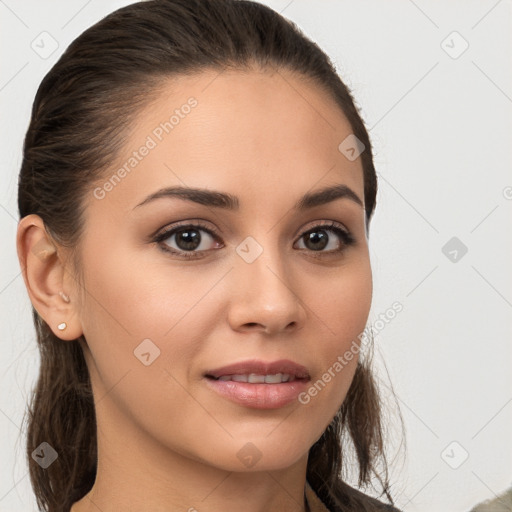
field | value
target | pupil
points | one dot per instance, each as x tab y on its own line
188	239
315	237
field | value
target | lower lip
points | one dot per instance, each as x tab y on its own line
258	396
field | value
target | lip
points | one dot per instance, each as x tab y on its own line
260	367
259	396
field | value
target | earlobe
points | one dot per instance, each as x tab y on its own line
43	272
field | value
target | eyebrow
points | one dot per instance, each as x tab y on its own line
230	202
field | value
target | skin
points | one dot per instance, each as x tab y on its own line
165	440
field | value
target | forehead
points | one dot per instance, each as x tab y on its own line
265	134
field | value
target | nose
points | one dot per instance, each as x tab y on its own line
265	295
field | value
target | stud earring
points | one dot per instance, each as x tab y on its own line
65	297
62	326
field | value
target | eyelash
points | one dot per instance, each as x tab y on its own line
345	236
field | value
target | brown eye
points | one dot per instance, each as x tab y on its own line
189	240
318	239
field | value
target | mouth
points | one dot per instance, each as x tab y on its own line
254	378
259	384
260	372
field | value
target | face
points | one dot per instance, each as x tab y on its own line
174	289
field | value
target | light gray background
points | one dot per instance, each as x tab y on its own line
441	127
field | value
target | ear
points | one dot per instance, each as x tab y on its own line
44	272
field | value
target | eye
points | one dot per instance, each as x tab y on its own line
317	239
190	243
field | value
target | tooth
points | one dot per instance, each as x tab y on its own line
256	379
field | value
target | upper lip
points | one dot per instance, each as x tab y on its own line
259	367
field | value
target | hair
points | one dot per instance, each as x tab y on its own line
81	115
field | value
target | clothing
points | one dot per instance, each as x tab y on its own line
315	504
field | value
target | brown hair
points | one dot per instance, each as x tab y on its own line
80	117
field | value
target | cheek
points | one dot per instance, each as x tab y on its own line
342	311
128	302
345	302
134	297
135	314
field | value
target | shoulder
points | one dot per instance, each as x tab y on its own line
379	505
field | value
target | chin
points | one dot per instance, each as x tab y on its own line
260	452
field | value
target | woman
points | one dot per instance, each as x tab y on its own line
195	198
